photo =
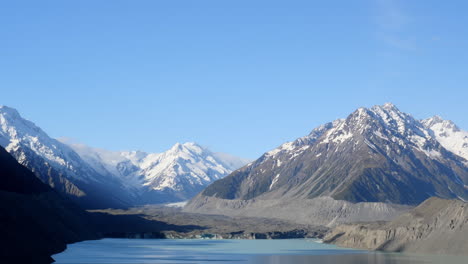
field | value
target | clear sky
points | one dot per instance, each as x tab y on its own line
237	76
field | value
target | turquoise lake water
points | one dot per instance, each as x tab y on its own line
191	251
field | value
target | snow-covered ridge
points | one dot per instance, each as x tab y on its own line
449	135
17	132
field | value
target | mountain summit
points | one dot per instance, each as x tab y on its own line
377	154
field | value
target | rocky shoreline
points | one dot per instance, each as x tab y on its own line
229	235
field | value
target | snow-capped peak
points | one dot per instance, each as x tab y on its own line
393	118
183	168
438	121
18	133
385	122
188	147
15	129
433	120
449	135
390	106
13	126
9	110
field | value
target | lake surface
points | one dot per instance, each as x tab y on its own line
191	251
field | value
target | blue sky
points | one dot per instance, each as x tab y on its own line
237	76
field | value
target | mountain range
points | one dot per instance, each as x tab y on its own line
97	178
376	155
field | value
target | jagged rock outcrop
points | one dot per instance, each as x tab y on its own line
437	226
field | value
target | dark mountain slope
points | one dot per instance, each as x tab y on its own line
35	221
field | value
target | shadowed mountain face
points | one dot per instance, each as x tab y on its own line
35	221
374	155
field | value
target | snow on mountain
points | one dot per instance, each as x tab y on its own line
16	133
118	164
195	164
403	126
449	135
183	169
57	164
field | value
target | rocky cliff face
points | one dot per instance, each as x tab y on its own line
437	226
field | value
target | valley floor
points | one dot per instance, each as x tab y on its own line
155	221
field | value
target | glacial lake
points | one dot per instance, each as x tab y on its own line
191	251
